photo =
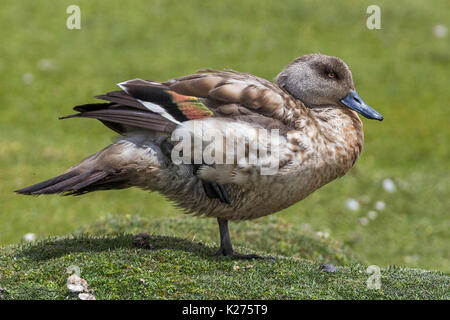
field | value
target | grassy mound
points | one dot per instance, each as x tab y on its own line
182	265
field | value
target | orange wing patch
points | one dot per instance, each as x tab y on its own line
191	107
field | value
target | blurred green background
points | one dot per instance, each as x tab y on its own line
401	70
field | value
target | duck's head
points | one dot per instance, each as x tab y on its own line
319	80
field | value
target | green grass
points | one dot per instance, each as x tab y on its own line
185	267
401	70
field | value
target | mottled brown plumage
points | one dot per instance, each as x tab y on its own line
311	103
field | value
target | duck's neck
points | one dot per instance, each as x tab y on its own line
342	134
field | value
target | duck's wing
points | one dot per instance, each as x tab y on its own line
143	105
232	94
209	93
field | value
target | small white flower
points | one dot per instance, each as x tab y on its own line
389	185
321	234
440	31
29	237
45	64
352	204
86	296
372	214
364	221
27	78
380	205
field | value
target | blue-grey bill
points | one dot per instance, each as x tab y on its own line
354	102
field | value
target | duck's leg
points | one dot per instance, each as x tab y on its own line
226	249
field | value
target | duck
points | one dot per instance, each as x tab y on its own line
297	134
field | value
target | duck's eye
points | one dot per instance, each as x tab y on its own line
331	75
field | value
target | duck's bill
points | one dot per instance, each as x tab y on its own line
354	102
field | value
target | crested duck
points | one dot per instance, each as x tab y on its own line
312	105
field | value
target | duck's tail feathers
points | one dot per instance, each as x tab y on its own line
73	183
118	166
123	119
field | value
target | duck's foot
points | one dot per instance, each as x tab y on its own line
236	255
226	249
